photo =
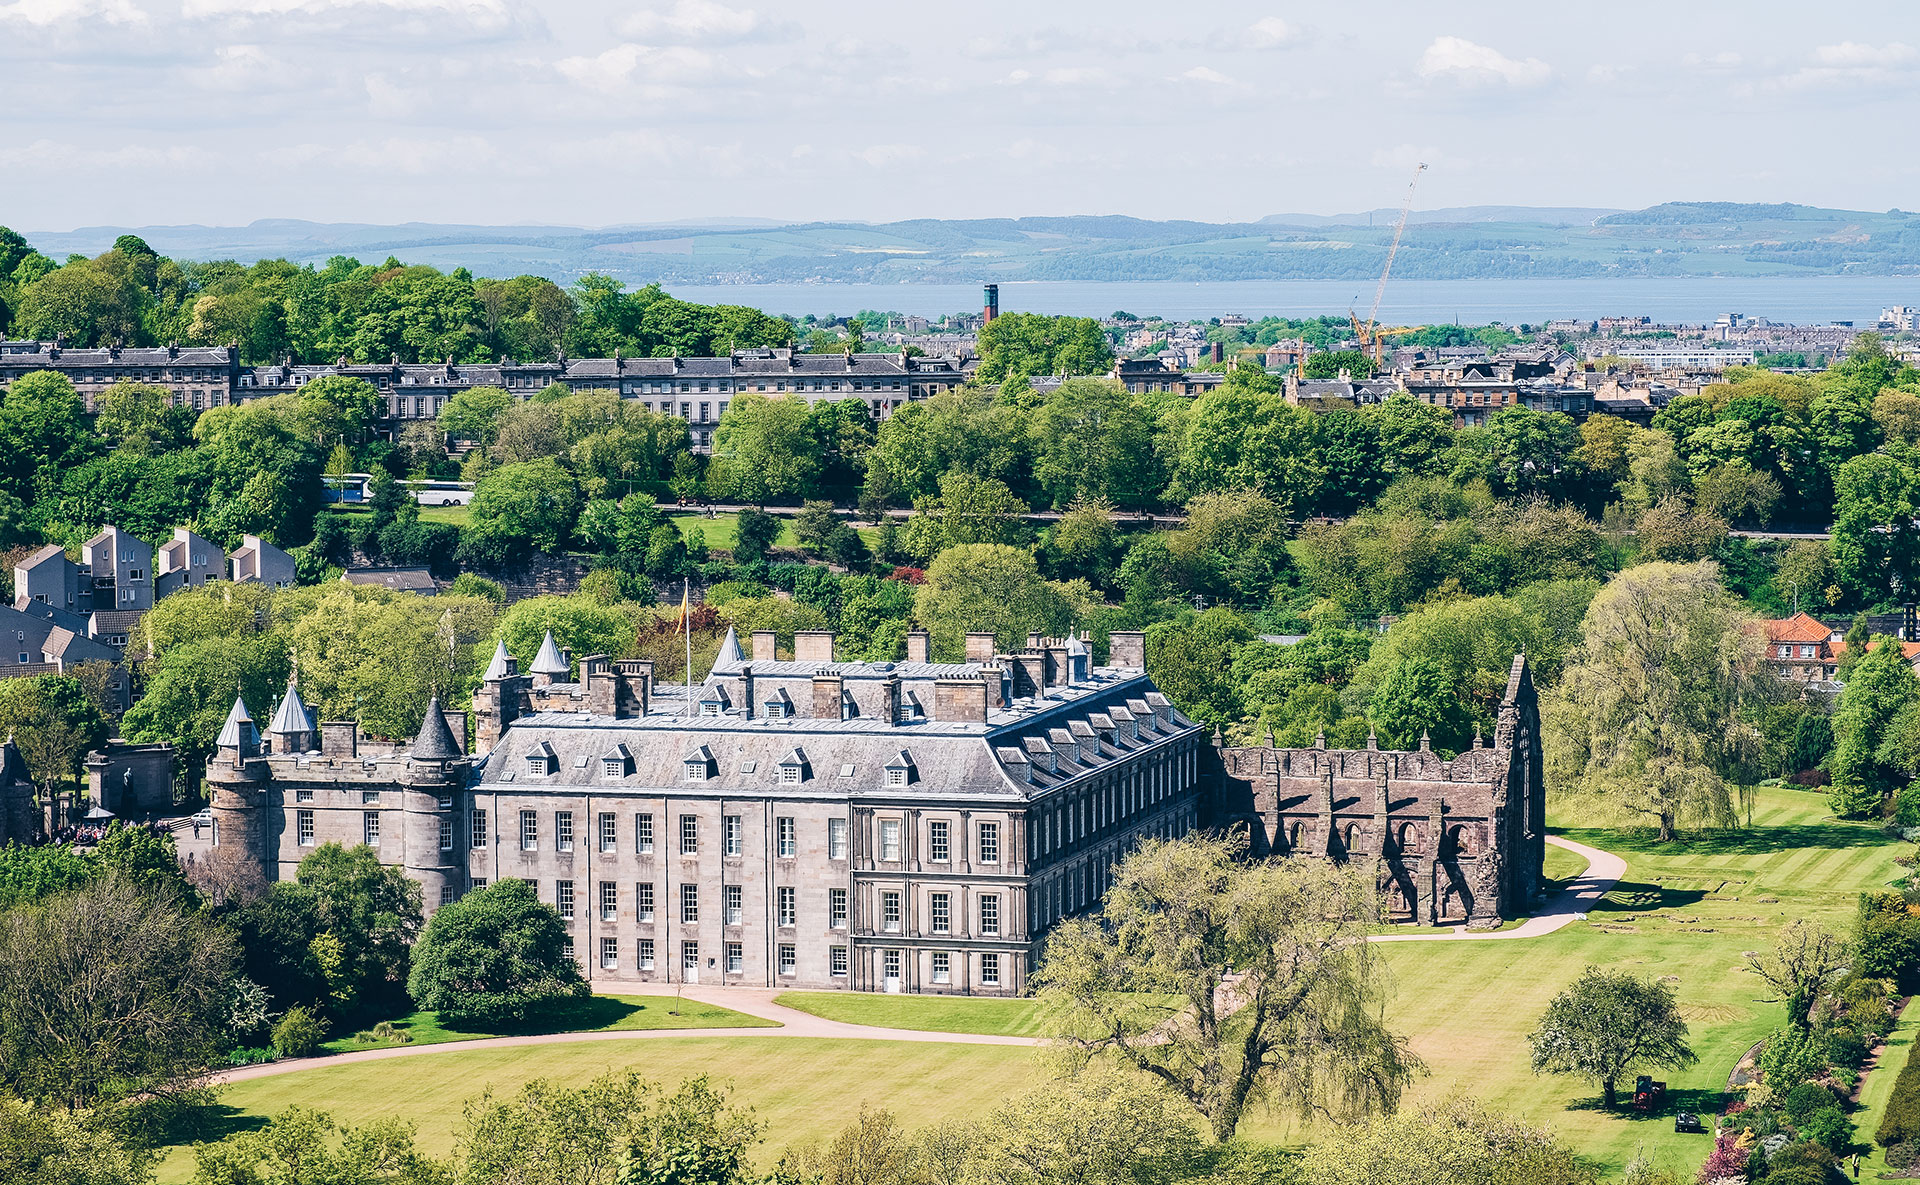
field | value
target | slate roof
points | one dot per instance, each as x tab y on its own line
950	759
238	732
497	669
549	661
291	715
435	740
417	580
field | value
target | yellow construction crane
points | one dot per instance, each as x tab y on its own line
1369	338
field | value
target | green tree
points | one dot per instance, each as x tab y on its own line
1650	717
1191	659
54	724
374	911
1329	364
754	532
1094	439
43	1148
1416	703
968	509
474	414
1144	983
1877	688
1020	345
1876	534
763	449
490	956
1609	1025
1255	442
43	431
522	510
1805	960
113	992
141	419
299	1145
1457	1142
618	1129
987	586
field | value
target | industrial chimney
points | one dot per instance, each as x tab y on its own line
992	310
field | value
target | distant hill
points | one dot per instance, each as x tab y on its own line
1469	242
1531	215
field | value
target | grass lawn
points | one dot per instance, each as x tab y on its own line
457	515
1685	910
722	529
594	1014
1562	866
1879	1087
803	1089
939	1014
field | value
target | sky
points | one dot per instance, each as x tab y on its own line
220	112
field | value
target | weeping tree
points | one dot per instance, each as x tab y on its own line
1651	718
1232	983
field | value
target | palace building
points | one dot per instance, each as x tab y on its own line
911	826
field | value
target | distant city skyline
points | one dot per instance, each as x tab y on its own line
220	112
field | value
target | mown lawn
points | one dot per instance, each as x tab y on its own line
457	515
939	1014
593	1014
1685	911
722	530
1878	1088
803	1089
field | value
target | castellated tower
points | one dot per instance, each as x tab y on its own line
237	792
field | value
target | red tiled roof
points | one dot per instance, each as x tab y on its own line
1799	628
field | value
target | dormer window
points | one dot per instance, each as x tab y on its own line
696	771
789	775
793	768
779	708
617	762
542	760
900	770
699	764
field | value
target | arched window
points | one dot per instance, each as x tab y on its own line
1407	843
1352	833
1293	839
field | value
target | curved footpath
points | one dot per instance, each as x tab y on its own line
1603	870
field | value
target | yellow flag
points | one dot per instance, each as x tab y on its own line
685	613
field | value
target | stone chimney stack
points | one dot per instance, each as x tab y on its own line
766	646
961	698
1127	649
748	709
813	646
829	696
919	646
980	647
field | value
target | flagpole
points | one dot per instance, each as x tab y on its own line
686	627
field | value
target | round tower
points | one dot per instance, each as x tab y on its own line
237	794
430	793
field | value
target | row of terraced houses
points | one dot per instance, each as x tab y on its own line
695	389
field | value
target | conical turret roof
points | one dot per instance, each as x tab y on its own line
502	661
238	732
436	737
549	661
292	715
730	656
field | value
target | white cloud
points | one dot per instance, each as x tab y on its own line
1455	59
1063	77
881	156
1853	64
61	12
618	64
1206	74
707	23
488	14
1726	60
1271	33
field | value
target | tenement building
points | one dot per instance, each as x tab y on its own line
808	822
1452	840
